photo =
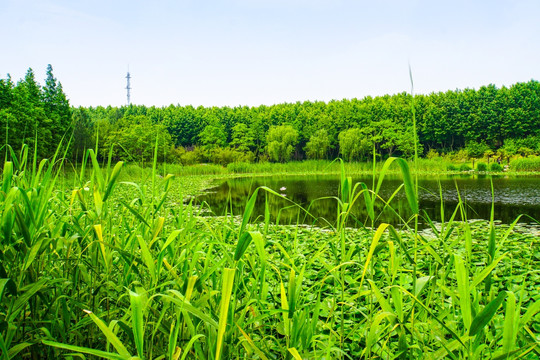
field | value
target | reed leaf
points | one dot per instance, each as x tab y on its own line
509	329
89	351
111	337
374	242
295	353
485	316
226	291
137	321
462	277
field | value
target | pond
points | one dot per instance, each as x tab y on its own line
513	196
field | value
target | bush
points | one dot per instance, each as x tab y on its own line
464	167
451	168
432	153
225	156
191	157
458	155
496	167
481	166
175	155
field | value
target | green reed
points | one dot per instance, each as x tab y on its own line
119	267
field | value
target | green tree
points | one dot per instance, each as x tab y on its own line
56	107
135	138
83	137
242	138
353	144
31	115
318	145
212	137
281	141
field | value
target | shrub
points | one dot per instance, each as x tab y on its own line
458	155
451	167
225	156
175	155
481	166
495	167
191	157
464	167
432	153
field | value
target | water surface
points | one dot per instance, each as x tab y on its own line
513	196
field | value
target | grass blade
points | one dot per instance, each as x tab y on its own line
462	276
111	337
509	323
485	316
84	350
137	321
228	282
374	242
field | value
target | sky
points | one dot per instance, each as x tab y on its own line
253	52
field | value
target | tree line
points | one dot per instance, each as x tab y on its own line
29	111
492	119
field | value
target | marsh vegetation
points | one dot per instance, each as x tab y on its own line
119	268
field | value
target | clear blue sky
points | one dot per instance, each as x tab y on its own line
251	52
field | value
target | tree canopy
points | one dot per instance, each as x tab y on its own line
486	119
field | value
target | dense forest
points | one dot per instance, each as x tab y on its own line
489	120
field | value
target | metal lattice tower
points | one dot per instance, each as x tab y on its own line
128	87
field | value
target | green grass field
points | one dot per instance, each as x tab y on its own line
110	262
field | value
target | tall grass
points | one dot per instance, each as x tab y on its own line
424	166
299	167
121	269
526	164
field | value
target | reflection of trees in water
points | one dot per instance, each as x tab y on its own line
307	192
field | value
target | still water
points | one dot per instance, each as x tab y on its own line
513	196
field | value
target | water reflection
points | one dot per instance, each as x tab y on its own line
512	196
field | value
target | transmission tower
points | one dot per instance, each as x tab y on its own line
128	87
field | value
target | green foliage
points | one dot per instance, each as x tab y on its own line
281	142
29	111
451	167
134	139
225	156
432	154
354	144
476	150
191	157
464	167
523	147
242	138
484	119
212	137
318	145
464	124
481	166
496	167
125	272
526	164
